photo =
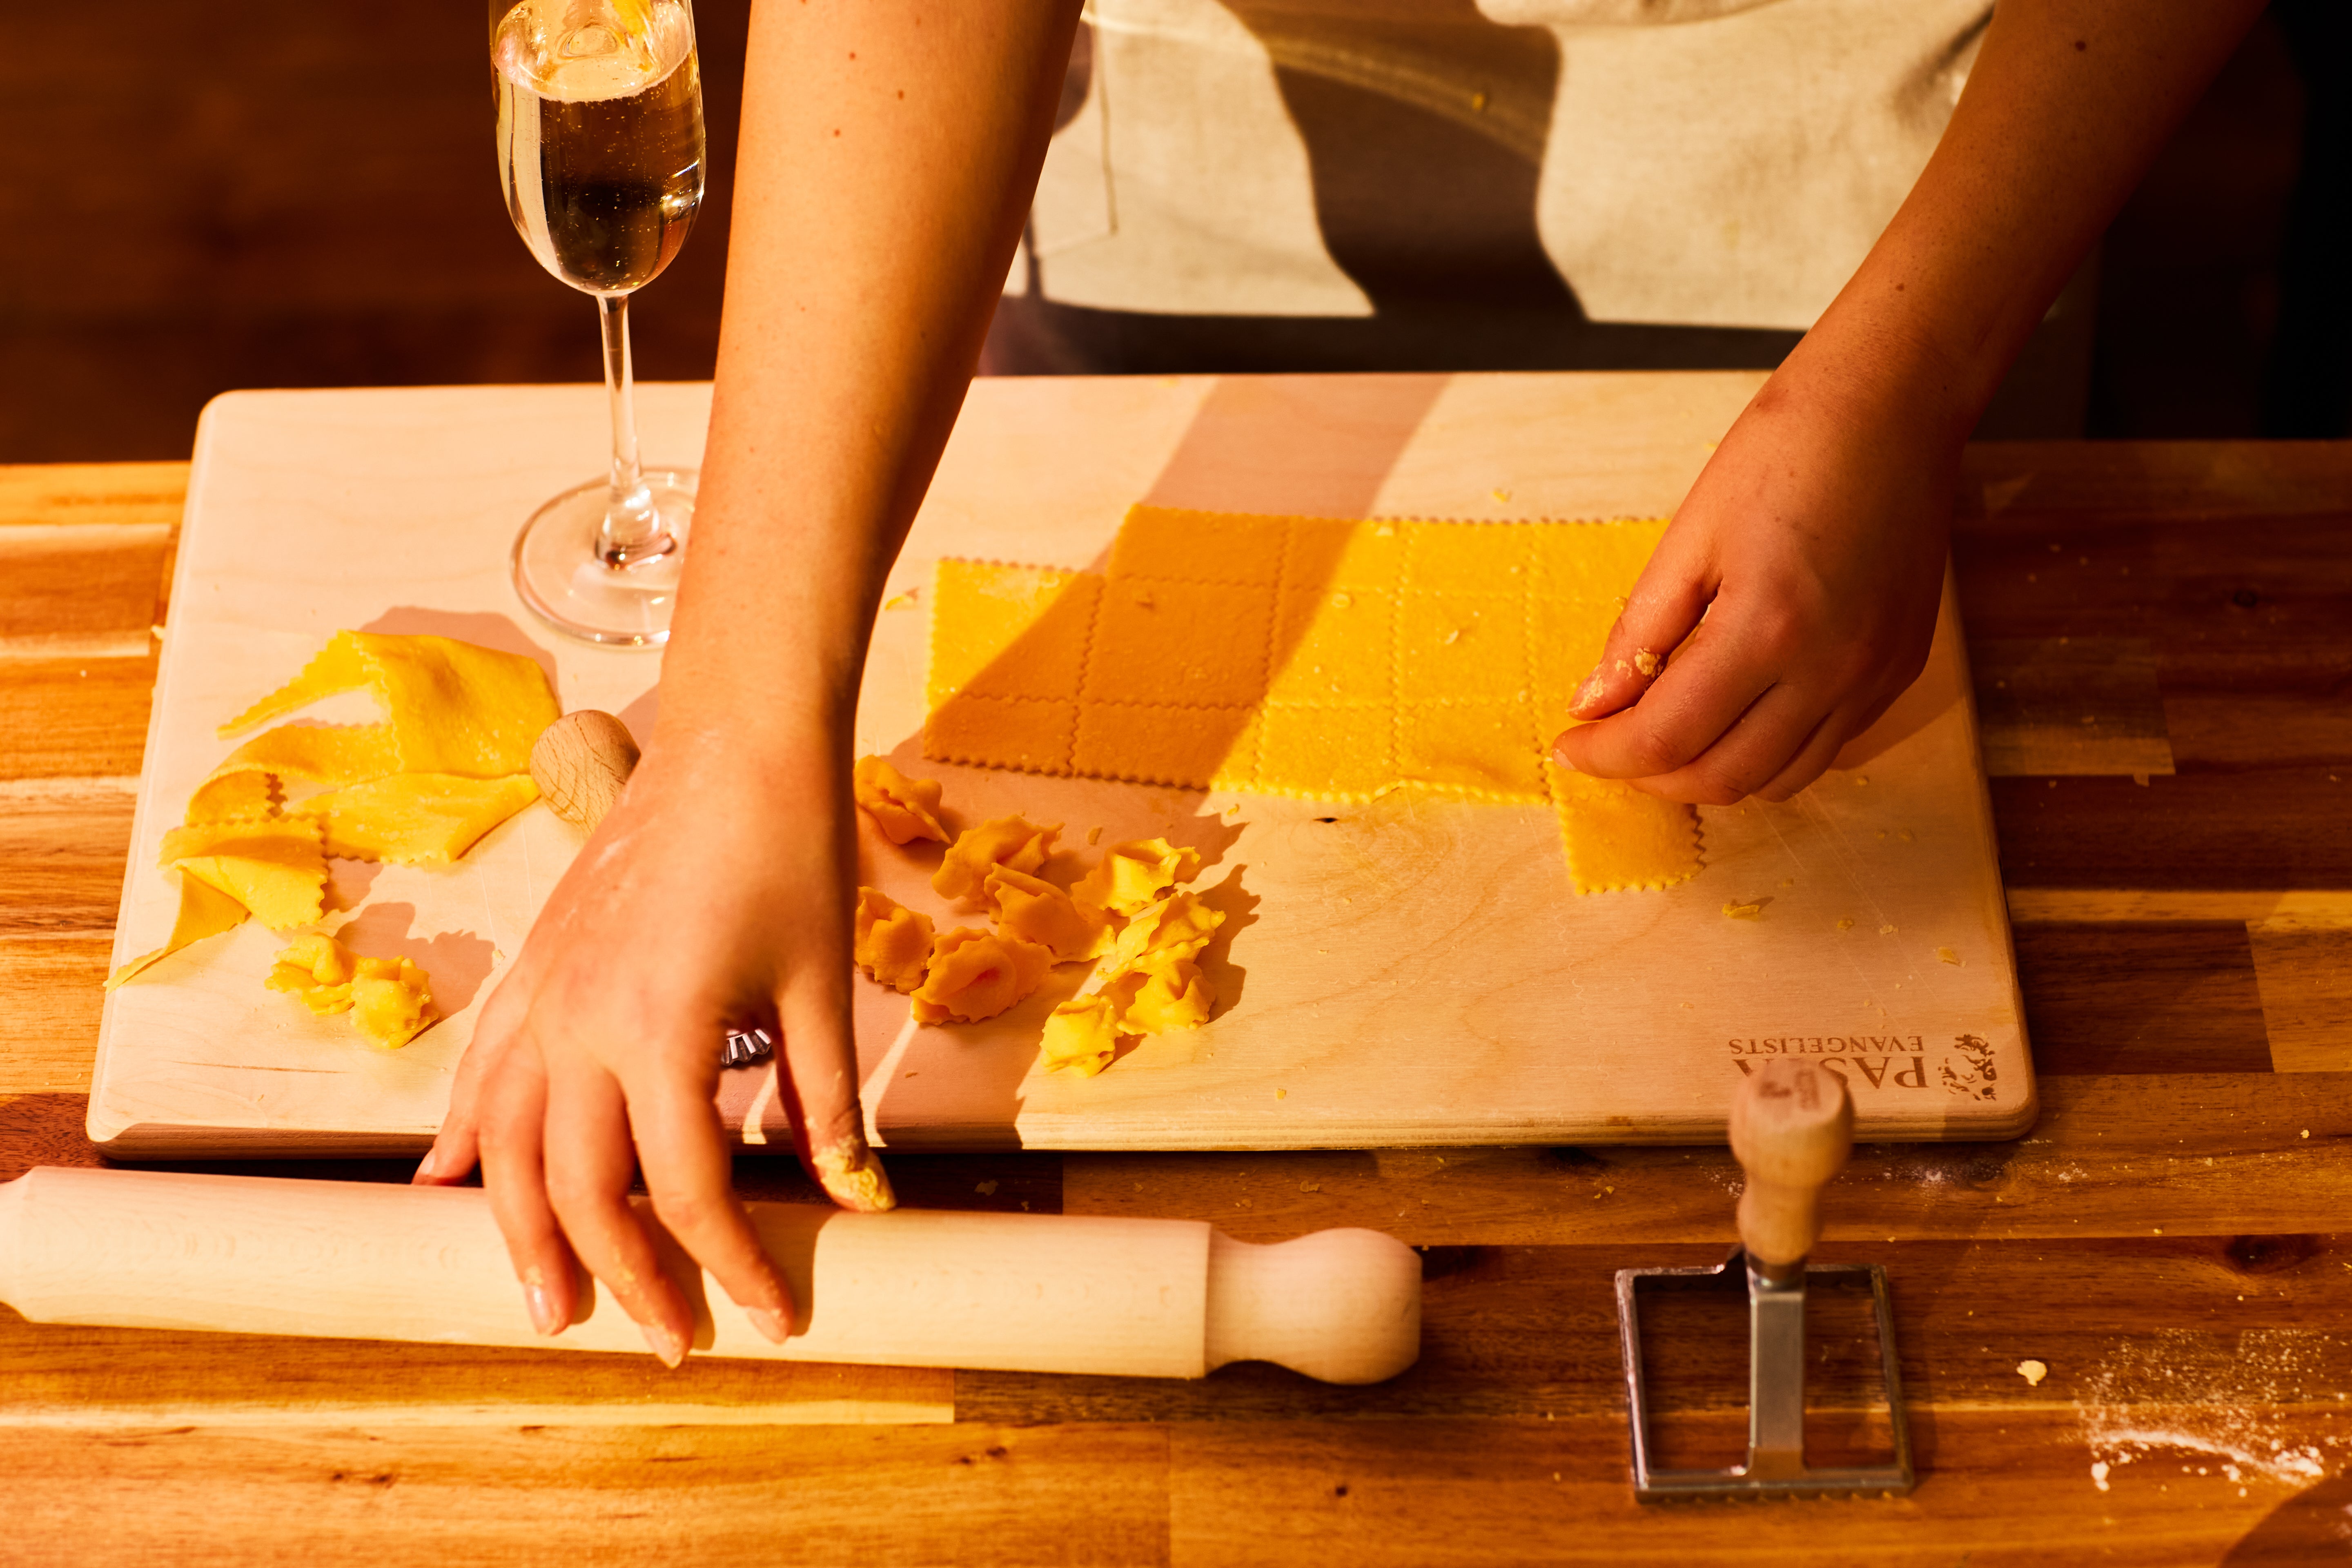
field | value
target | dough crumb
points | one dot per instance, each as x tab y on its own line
1645	661
905	601
2034	1372
1886	931
1845	923
1751	910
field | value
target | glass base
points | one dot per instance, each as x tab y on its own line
560	578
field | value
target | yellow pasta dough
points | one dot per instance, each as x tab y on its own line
274	867
452	707
420	819
1308	657
893	941
205	911
905	809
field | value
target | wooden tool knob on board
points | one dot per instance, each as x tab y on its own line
580	763
1015	1293
1791	1128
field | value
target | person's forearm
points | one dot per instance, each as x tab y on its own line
888	152
2067	104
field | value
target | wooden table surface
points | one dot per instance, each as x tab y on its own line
2162	643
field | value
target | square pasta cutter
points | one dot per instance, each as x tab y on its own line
1791	1127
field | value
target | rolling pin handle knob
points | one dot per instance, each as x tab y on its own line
1792	1128
1343	1306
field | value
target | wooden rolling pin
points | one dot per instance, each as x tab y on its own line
1791	1128
1149	1297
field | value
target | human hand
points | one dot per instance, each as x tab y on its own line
1796	592
714	895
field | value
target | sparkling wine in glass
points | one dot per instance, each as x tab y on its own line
601	151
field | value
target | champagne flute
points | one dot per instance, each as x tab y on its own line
600	149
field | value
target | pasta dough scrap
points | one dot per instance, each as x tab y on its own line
905	809
275	867
1316	658
1006	841
1131	875
414	819
1154	998
977	974
205	911
893	941
1082	1034
253	781
390	999
1033	909
452	707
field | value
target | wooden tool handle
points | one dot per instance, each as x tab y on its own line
1791	1127
911	1288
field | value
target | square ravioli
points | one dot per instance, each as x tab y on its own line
1194	747
1461	647
1335	552
1564	642
1198	644
1334	647
1616	837
1596	563
1002	733
1485	749
1199	546
1009	631
1468	557
1327	753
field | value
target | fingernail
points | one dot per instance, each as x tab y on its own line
425	1167
769	1322
851	1174
1560	756
543	1310
664	1342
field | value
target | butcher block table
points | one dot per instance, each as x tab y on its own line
2160	637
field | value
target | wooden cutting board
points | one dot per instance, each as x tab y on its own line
1415	972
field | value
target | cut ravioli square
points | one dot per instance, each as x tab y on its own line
1337	552
1596	563
1468	557
1334	647
1327	753
1152	744
1009	631
1461	647
1484	750
1617	838
1002	733
1196	645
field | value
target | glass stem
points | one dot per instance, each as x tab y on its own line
633	530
